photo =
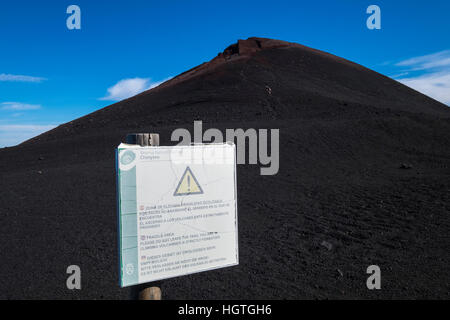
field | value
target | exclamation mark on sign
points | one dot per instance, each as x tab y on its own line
189	183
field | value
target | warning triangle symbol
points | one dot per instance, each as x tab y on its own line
188	185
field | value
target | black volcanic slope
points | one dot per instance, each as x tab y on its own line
345	131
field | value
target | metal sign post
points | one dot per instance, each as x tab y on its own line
150	291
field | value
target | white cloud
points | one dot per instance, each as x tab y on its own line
13	134
399	75
25	127
20	78
127	88
435	85
18	106
435	60
429	74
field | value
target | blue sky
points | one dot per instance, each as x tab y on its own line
50	75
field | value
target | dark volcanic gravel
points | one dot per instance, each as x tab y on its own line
340	202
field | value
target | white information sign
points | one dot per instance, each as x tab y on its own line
177	210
